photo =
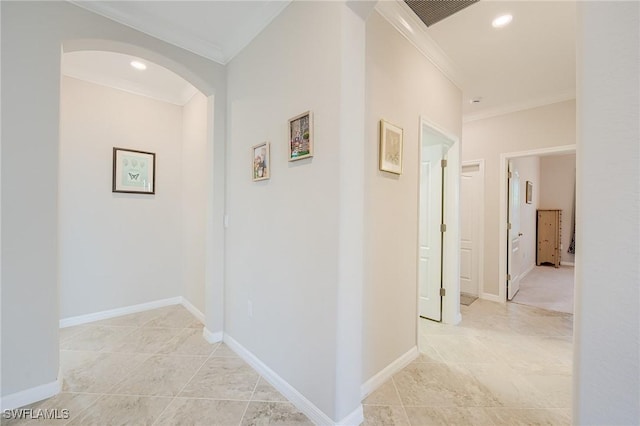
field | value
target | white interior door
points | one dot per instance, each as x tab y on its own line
513	217
430	242
470	192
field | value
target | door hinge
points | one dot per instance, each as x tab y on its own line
443	227
508	277
508	226
509	175
443	163
443	292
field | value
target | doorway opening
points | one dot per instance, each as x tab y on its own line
471	231
538	236
438	226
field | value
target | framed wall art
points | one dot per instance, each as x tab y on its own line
529	192
260	162
390	148
301	136
134	171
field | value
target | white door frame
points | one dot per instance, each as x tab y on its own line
480	164
451	264
503	179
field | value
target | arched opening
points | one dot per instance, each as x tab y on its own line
121	252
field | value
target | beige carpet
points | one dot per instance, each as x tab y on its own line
548	288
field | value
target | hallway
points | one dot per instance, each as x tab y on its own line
505	364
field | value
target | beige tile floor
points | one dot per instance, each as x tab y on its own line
155	368
505	364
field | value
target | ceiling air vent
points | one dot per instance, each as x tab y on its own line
432	11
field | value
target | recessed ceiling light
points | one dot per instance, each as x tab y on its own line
502	21
138	65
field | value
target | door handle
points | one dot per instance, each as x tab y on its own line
520	234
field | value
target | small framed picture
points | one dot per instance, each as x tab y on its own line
301	136
390	148
260	161
529	192
134	171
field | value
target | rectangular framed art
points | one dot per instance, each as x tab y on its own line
260	161
134	171
529	192
301	136
390	148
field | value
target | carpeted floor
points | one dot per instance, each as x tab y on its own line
467	299
548	288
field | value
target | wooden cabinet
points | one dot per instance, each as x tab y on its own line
549	230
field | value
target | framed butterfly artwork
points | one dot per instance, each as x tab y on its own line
134	171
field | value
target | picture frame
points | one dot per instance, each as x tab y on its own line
529	192
391	141
134	172
301	136
260	161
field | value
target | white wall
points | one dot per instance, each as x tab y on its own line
194	169
116	249
283	233
529	170
32	36
543	127
607	311
402	85
557	186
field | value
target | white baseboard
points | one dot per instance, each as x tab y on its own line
491	297
354	419
111	313
564	263
386	373
35	394
303	404
212	337
529	269
194	311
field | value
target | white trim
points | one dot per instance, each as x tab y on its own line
300	401
490	297
212	337
386	373
502	243
564	263
194	311
34	394
111	313
525	273
407	23
520	106
481	206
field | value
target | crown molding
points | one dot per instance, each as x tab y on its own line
156	29
520	106
403	19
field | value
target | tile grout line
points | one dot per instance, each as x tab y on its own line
250	398
186	383
404	410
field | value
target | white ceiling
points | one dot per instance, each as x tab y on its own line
217	30
529	63
115	70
